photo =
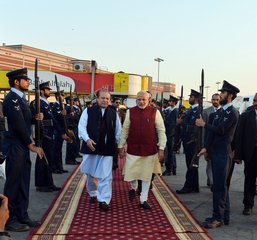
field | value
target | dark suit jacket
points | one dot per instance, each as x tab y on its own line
206	114
245	141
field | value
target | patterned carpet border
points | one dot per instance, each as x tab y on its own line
180	217
59	217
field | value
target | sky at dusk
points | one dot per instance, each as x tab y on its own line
219	36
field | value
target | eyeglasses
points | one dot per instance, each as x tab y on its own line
117	102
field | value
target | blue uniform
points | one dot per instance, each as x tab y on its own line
72	149
57	165
43	173
18	163
170	118
218	144
189	137
77	114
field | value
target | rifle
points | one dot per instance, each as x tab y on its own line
161	102
71	100
62	108
38	137
71	117
84	101
180	113
80	107
199	141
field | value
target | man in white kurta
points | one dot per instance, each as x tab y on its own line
140	167
98	167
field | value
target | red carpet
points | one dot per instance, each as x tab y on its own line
71	216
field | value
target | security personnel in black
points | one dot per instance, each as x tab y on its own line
43	174
59	137
2	130
17	145
170	119
165	107
77	113
246	150
188	135
218	145
72	118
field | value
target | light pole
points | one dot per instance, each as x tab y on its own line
158	60
206	87
218	85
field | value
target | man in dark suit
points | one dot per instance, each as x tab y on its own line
17	147
246	149
218	146
188	135
215	100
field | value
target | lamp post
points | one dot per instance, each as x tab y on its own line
218	85
158	60
206	87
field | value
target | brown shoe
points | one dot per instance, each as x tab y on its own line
212	223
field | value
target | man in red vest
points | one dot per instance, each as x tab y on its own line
144	132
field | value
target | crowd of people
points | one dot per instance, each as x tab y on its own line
147	135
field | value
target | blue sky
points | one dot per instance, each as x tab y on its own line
219	36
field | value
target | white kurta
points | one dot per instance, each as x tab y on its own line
139	167
96	165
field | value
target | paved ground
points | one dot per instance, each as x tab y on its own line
241	227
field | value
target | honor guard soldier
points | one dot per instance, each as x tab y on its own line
59	137
165	103
16	147
2	130
188	136
219	148
77	113
72	123
170	118
43	174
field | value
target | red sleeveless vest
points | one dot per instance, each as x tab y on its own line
142	137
